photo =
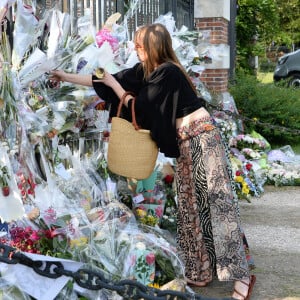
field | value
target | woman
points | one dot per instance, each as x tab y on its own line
209	234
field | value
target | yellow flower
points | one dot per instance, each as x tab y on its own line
154	285
239	179
79	242
141	213
149	220
245	189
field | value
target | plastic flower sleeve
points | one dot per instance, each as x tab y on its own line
105	250
152	259
48	194
90	166
60	26
11	206
25	29
81	183
85	25
35	67
8	290
85	62
167	20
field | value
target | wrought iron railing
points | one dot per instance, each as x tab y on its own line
136	12
92	280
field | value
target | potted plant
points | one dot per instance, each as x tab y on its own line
4	179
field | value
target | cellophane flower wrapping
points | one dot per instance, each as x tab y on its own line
125	250
8	86
153	257
248	178
149	200
13	292
11	205
283	168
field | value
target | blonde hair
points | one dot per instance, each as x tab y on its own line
157	44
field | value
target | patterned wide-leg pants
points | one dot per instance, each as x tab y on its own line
209	235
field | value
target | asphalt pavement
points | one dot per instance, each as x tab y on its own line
272	226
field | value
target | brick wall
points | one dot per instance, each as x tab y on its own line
216	80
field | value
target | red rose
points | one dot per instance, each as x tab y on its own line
169	179
248	166
238	173
105	133
5	191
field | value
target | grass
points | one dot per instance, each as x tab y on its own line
296	149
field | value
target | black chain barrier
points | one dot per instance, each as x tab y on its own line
257	122
93	280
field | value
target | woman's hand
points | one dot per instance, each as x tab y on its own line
111	81
57	76
107	79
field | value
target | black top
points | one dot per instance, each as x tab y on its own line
163	97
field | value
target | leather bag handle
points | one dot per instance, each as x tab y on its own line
134	123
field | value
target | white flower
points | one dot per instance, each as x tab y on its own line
31	101
59	120
140	246
123	237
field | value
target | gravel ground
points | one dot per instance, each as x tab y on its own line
272	227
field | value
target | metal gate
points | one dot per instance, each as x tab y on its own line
137	12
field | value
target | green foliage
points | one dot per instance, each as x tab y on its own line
265	65
269	104
289	22
260	24
256	24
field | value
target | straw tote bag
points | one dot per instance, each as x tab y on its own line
131	151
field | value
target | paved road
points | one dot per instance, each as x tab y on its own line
272	227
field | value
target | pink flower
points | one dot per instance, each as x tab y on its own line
101	215
104	35
132	260
34	236
150	259
28	229
50	215
159	211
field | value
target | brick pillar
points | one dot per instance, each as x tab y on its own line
213	16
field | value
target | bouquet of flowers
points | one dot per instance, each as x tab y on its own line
149	200
4	180
41	239
169	219
246	181
252	141
152	258
282	174
8	103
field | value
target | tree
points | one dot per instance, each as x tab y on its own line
257	23
289	34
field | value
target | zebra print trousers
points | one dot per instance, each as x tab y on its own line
209	235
